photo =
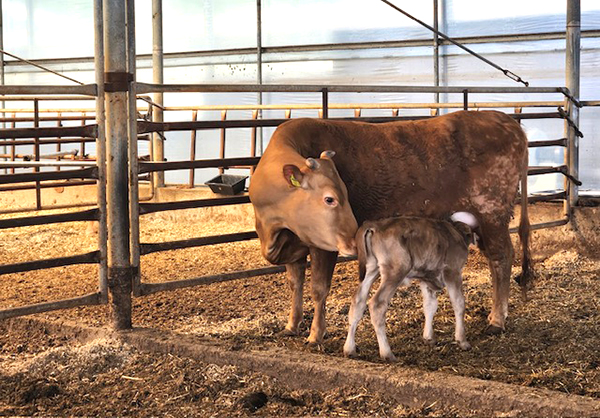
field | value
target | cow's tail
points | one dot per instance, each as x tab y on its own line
527	276
364	250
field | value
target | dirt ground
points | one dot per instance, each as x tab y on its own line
551	340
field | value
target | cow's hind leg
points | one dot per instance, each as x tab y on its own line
499	252
358	305
322	265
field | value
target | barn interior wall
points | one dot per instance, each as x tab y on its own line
64	29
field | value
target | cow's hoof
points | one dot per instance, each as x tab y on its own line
288	333
314	346
493	330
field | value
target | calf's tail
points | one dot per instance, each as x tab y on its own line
363	245
527	276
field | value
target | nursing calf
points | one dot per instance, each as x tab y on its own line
405	248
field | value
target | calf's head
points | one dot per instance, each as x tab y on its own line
318	209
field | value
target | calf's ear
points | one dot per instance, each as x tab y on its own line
292	175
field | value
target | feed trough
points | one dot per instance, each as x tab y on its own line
227	184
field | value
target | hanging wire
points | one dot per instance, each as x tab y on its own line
40	67
507	73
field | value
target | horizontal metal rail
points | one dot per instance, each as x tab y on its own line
196	242
90	299
533	171
547	197
46	141
53	131
147	167
149	288
144	88
84	173
46	118
85	90
316	106
543	225
562	142
146	208
281	49
30	186
147	127
88	258
87	215
15	98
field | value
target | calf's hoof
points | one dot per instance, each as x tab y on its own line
351	353
431	342
464	345
493	330
389	358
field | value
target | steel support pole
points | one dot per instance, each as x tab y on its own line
119	266
134	195
436	51
2	104
573	65
259	75
158	77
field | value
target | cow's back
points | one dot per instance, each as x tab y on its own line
464	161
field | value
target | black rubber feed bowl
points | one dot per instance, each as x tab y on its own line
227	184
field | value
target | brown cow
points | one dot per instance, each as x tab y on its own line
431	251
463	161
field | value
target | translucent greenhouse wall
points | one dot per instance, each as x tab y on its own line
36	29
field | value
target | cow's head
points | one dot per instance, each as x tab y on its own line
321	214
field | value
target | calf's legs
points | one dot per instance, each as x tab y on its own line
430	305
358	305
378	306
457	298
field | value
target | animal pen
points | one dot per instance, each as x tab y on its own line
130	116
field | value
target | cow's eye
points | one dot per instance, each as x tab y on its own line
330	201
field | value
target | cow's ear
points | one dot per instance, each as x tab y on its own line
293	175
328	154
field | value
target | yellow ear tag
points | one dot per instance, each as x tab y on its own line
294	182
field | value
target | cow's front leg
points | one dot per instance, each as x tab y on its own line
322	265
295	274
499	251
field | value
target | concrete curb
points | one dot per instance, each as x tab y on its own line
411	387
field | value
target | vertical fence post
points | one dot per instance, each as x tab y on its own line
101	150
36	153
117	85
13	148
58	145
325	103
158	78
573	63
193	150
223	140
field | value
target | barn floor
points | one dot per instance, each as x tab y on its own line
551	340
